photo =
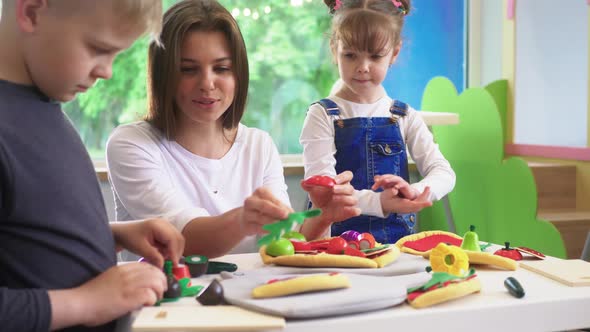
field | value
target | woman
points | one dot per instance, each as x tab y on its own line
191	160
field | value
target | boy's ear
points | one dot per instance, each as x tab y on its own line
28	13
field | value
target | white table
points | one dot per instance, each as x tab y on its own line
547	306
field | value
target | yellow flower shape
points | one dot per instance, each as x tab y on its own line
449	259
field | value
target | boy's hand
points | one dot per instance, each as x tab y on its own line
118	291
337	203
154	239
261	208
398	185
392	203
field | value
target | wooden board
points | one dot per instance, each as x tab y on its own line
572	272
203	318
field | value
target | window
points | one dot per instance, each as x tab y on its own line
290	67
551	89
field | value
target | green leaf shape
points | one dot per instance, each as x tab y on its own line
186	290
277	229
439	278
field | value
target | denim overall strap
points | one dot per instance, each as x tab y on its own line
398	108
369	147
329	106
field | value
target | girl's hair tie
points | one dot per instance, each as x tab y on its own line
338	4
398	4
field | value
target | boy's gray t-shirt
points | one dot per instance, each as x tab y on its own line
54	231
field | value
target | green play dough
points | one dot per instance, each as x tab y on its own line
470	240
295	236
280	247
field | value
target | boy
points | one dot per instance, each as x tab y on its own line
58	251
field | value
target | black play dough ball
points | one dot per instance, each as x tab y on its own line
212	295
173	290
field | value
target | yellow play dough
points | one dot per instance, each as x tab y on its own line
485	258
449	259
301	285
450	292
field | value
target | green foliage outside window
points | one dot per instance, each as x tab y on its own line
290	66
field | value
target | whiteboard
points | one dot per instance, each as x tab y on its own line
551	73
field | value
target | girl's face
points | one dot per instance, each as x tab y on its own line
363	72
207	82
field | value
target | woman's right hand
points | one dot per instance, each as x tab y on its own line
261	208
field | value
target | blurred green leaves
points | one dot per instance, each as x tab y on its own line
290	67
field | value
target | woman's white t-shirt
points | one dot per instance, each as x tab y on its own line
152	176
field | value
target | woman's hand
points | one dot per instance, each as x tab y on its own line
261	208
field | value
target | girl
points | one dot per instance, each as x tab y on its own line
360	128
191	160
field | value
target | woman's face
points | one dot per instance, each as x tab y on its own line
207	83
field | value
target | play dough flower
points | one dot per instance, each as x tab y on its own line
449	259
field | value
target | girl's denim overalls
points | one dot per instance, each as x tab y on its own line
369	147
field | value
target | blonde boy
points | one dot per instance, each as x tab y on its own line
58	266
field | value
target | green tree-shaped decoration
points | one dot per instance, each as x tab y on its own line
496	194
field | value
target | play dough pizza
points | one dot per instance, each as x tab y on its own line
303	284
424	242
443	287
486	258
376	259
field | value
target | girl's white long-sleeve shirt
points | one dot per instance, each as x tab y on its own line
317	139
152	176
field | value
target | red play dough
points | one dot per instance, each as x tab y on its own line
431	241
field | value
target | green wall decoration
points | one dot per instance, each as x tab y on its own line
495	194
499	91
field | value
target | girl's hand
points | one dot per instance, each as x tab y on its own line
398	185
260	209
392	203
337	203
154	239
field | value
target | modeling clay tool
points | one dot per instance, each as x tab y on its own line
277	229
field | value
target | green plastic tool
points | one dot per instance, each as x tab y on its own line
217	267
277	229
